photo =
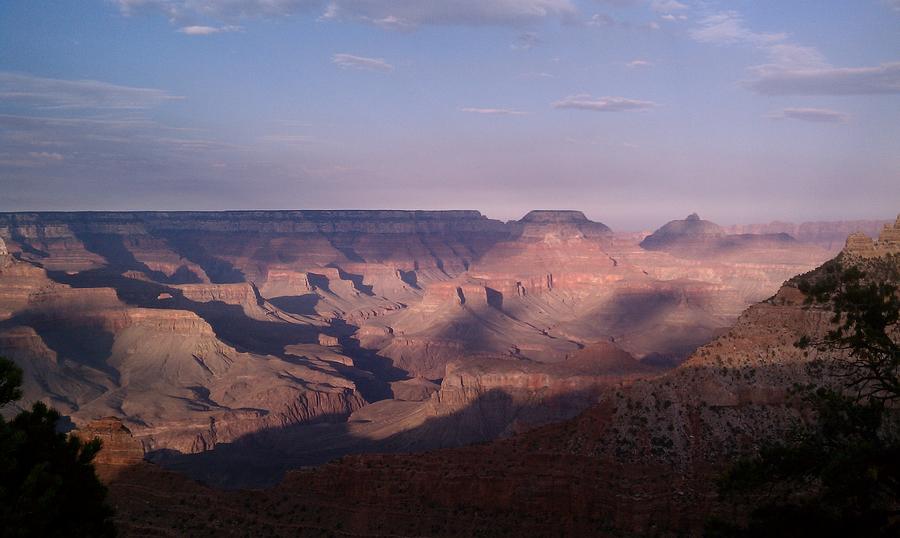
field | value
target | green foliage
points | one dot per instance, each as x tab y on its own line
866	310
10	381
842	476
48	487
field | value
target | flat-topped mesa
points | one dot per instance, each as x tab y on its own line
555	216
691	230
888	242
30	224
471	292
560	225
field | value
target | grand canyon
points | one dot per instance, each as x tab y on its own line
381	350
341	331
449	268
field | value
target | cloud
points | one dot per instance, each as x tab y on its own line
728	28
208	30
493	111
775	80
392	14
619	3
603	104
526	41
288	139
46	155
667	6
795	69
818	115
458	12
77	94
537	74
639	63
182	10
350	61
603	20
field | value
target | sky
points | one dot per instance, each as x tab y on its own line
633	111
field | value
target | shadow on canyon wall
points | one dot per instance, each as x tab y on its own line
261	459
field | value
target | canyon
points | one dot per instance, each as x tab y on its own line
235	346
641	461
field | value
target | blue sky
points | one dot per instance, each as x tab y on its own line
634	111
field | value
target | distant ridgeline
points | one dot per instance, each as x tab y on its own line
888	242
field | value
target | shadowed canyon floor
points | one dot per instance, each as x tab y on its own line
237	345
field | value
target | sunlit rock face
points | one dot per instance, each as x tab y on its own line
202	328
888	242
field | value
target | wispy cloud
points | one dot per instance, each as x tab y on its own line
289	139
639	63
667	6
46	155
208	30
537	74
775	80
526	41
619	3
493	111
728	28
350	61
603	104
390	14
603	20
818	115
59	93
795	69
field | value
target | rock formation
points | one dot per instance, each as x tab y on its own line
695	238
690	230
888	242
119	447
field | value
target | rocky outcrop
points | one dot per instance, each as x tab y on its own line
119	447
694	238
888	242
557	225
689	231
